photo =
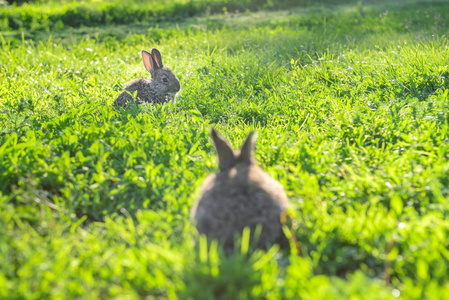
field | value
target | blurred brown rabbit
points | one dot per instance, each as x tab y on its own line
162	87
240	195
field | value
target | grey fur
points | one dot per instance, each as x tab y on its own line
162	87
240	195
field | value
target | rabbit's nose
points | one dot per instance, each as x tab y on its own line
177	86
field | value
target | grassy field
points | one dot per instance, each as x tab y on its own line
351	106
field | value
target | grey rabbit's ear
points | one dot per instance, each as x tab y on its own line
226	156
157	57
148	62
246	152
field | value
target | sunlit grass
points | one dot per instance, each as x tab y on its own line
351	108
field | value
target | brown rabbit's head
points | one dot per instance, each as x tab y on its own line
164	81
240	195
229	158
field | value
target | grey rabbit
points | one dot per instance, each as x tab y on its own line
162	87
240	195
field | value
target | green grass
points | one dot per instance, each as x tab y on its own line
57	14
351	106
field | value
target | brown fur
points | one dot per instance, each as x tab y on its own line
160	89
240	195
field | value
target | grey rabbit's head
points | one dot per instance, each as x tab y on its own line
164	81
162	87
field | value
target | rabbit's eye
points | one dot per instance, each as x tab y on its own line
165	79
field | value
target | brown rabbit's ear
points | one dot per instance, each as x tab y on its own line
157	57
226	156
148	62
246	152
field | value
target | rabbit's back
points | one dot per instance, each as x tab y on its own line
145	93
242	197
